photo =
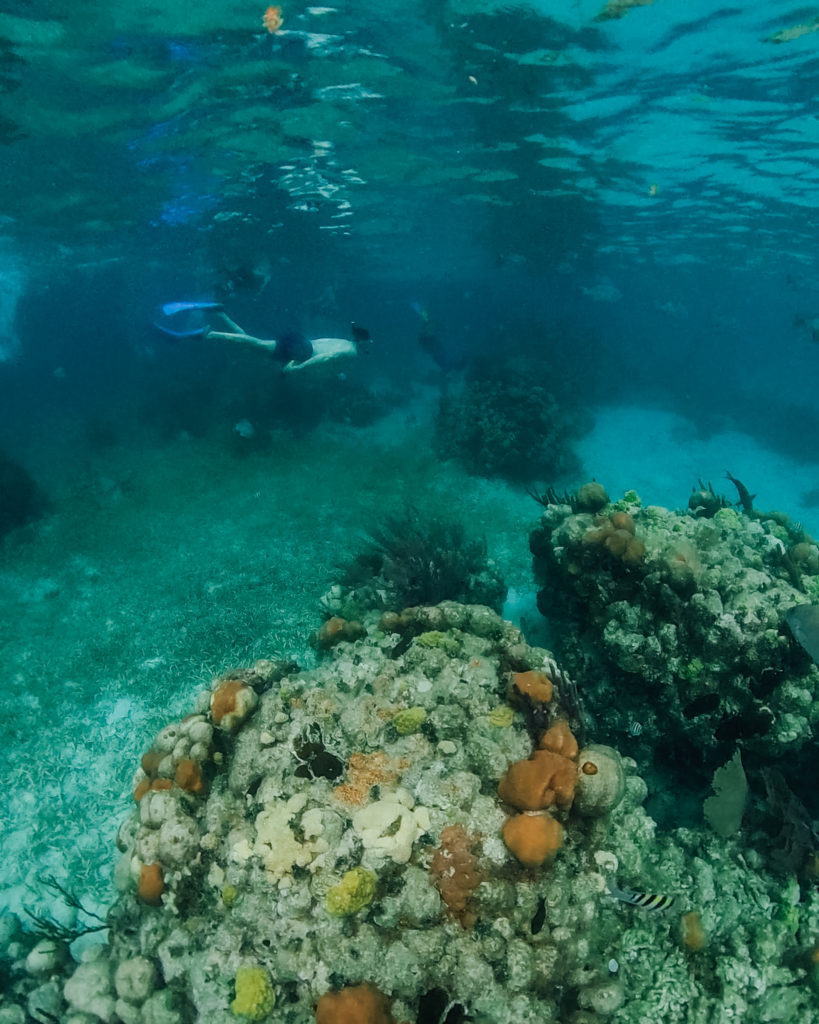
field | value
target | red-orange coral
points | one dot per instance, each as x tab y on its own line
336	629
533	838
151	884
365	771
223	699
454	868
188	776
141	789
540	781
272	19
535	685
559	739
358	1004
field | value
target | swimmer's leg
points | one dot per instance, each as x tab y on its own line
232	324
240	336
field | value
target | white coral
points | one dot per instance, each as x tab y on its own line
390	826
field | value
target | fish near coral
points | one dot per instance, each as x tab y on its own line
644	900
272	19
746	499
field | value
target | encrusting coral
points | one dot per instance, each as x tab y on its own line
454	867
255	995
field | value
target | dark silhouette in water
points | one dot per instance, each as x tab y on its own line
21	500
746	499
445	357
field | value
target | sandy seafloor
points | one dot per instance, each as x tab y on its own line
157	569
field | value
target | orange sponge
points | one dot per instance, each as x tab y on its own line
559	739
151	884
188	776
358	1004
540	781
223	701
533	838
535	685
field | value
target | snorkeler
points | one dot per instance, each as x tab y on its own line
293	350
440	351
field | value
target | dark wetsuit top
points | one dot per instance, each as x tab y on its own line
292	347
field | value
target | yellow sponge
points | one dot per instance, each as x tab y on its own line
255	997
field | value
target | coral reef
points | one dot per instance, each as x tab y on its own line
401	884
504	422
683	640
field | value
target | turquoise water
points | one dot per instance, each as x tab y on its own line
611	204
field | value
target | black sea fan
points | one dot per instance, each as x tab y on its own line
411	559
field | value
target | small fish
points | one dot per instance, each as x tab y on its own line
645	900
746	499
244	428
605	291
272	19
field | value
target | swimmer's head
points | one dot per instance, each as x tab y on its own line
360	334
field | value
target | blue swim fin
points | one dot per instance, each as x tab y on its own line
171	308
197	332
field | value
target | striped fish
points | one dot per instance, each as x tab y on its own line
645	900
